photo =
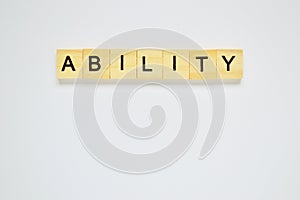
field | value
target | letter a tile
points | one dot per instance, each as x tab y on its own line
68	63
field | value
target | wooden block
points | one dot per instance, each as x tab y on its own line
96	63
69	63
176	64
122	64
149	64
203	64
230	63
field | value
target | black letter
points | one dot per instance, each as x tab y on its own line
228	62
95	62
68	65
144	65
122	62
201	61
174	63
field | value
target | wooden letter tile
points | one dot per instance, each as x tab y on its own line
68	63
176	64
203	64
122	64
149	64
230	63
96	63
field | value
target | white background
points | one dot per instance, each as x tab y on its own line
41	156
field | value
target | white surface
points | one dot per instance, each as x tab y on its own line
41	156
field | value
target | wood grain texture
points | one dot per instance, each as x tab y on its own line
72	59
203	64
122	64
176	64
103	55
235	69
149	64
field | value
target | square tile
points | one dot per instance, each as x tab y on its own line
149	64
68	63
123	64
176	64
203	64
96	63
230	63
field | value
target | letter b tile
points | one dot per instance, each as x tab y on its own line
96	63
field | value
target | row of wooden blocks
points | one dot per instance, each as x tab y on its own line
149	64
